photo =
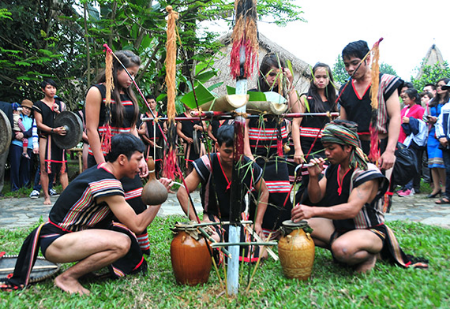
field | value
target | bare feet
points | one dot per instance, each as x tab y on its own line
367	265
47	201
70	285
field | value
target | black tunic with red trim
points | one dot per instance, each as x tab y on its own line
371	216
77	208
128	115
55	160
264	143
358	109
132	187
311	131
216	188
338	193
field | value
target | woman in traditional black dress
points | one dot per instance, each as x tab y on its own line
264	138
121	116
320	98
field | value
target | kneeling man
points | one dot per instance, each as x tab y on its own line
84	223
214	173
348	218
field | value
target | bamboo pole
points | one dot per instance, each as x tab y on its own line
270	251
225	244
222	115
41	268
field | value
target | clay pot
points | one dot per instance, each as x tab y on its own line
191	260
154	192
296	251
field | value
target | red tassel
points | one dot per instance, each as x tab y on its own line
250	58
235	59
374	153
280	147
106	140
169	167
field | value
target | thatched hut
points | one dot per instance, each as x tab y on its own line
302	72
432	57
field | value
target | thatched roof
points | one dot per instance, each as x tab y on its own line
301	69
432	57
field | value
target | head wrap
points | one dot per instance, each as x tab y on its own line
344	133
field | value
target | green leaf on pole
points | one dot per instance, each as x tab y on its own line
203	96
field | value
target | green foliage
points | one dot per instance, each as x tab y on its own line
64	40
340	75
387	69
431	74
4	14
330	286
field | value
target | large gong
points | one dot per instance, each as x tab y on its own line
73	126
6	135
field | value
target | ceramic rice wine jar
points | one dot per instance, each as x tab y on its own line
296	250
154	193
191	260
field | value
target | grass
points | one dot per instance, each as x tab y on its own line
330	286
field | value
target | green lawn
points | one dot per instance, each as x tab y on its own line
330	286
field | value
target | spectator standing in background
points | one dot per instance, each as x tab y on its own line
20	172
412	125
51	157
436	161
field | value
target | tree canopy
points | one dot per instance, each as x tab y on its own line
63	40
431	74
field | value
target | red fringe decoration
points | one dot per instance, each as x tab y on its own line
280	147
170	162
250	58
106	140
374	153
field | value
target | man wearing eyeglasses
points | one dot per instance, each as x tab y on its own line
355	101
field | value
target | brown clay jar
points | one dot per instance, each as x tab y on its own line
191	260
296	251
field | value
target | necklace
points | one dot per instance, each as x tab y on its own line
339	181
223	172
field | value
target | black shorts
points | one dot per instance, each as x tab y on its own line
379	230
49	234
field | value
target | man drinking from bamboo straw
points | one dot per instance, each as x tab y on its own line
348	218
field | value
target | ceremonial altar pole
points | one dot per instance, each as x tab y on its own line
236	187
244	53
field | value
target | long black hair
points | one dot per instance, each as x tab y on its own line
128	59
269	61
435	101
330	91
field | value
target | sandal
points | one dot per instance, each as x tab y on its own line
443	200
